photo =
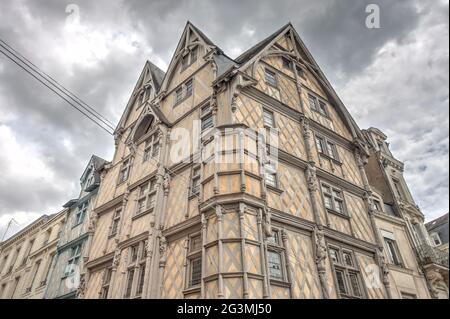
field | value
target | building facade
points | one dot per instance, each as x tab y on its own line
67	269
234	178
26	258
438	231
248	178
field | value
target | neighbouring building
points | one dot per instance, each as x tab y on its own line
26	258
66	274
248	178
438	231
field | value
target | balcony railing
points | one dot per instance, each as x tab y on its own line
432	255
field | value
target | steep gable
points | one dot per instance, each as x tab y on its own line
287	42
191	38
151	77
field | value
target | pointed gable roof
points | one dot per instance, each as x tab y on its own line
265	44
157	77
182	43
254	50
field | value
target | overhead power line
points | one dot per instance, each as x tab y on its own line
56	88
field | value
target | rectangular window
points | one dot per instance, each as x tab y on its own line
340	279
436	239
179	95
196	272
129	287
275	238
269	119
354	283
147	198
35	274
331	150
189	88
73	261
346	273
271	78
312	102
152	147
323	108
207	123
333	199
393	252
196	178
49	267
140	287
271	178
398	189
319	144
275	266
327	148
334	255
195	261
115	222
106	283
125	171
81	213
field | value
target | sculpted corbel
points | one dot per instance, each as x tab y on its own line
268	223
311	177
116	259
162	251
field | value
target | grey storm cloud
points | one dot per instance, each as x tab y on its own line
395	78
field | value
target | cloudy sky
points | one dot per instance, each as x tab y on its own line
395	78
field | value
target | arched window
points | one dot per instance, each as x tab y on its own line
144	127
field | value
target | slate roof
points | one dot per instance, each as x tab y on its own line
250	53
437	222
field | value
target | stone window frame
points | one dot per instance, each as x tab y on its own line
194	190
106	283
398	188
147	191
394	256
135	270
49	265
334	198
206	116
81	214
73	260
194	255
319	106
35	273
152	143
182	92
324	149
277	247
435	236
273	79
273	124
125	171
348	272
115	222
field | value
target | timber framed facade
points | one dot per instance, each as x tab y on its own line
277	193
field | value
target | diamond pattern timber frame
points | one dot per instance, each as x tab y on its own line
231	257
255	288
253	259
249	112
286	90
174	275
295	198
290	137
367	265
360	218
305	279
233	288
177	200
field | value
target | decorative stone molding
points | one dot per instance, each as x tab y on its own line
321	259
